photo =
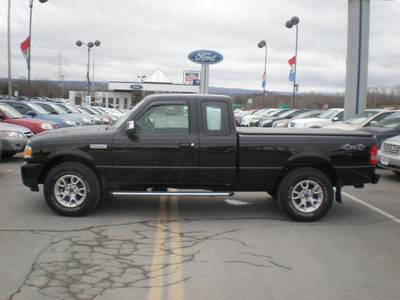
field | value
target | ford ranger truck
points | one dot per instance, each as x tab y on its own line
169	144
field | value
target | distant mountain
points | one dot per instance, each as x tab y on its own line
232	91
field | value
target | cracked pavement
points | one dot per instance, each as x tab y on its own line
89	263
219	251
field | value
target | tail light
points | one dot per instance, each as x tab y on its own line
373	155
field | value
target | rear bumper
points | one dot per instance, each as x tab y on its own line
30	174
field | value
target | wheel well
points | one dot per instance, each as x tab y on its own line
318	164
63	159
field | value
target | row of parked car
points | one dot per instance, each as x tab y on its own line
20	120
383	123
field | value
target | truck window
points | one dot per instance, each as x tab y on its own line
215	118
164	119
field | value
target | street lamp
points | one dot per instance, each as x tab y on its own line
262	44
89	45
30	44
289	24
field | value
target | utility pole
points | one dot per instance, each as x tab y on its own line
9	52
60	61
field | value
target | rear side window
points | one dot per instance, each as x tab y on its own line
215	118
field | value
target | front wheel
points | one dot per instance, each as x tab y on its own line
72	189
305	194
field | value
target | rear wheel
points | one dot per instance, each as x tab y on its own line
305	194
72	189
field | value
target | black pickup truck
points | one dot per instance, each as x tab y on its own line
189	145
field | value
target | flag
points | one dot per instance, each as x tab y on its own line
292	63
25	50
88	80
264	82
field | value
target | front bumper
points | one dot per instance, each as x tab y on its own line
30	175
389	161
9	145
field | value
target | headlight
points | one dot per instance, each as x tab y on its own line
46	126
13	134
28	152
285	124
87	120
70	122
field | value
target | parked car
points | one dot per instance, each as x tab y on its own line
55	109
31	110
9	115
69	109
13	138
386	128
304	115
289	114
107	119
389	154
364	119
328	117
245	120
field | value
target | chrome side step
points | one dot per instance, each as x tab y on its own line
175	193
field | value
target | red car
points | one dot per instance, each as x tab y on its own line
9	115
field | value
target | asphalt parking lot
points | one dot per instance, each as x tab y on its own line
199	248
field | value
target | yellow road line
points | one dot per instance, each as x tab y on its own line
175	269
156	274
176	290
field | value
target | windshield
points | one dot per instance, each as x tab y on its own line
290	113
327	114
390	122
10	112
69	109
60	110
361	118
307	114
39	110
122	120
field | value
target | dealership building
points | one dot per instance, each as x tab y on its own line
123	94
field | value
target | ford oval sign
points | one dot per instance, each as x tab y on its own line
205	57
135	86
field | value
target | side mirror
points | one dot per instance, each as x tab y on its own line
31	113
335	119
373	123
130	129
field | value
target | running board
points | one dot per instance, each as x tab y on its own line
212	194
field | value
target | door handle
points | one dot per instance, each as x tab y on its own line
186	146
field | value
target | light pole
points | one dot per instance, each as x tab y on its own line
30	44
289	24
89	45
262	44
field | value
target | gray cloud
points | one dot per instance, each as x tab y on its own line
139	37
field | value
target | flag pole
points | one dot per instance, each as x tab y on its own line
29	49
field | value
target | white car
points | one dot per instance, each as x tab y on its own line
364	119
326	118
389	154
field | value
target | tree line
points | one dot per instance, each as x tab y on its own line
378	97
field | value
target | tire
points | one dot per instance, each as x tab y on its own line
72	189
305	194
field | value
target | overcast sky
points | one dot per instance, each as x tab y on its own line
139	37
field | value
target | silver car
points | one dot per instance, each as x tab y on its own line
389	154
13	139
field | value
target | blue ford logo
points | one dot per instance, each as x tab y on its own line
205	57
135	86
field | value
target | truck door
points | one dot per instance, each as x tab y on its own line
217	143
164	150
